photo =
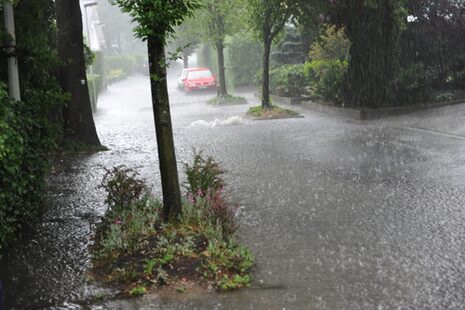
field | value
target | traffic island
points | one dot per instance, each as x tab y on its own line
275	112
136	252
227	100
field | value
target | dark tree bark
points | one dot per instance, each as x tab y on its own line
185	59
222	91
374	32
78	121
161	109
266	104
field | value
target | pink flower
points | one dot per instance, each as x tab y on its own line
118	222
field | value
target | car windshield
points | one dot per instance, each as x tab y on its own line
199	74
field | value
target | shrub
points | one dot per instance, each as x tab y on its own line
332	45
25	141
95	84
288	80
123	187
414	84
126	63
326	78
115	75
203	175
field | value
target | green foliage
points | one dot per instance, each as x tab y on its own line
327	79
288	50
288	80
27	133
123	187
133	244
157	18
414	84
125	63
115	75
333	44
203	175
89	55
244	59
138	291
223	256
446	96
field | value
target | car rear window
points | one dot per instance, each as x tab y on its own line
199	74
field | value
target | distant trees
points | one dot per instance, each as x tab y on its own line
78	122
156	20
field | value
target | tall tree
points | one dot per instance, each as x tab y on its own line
78	124
156	21
267	19
374	29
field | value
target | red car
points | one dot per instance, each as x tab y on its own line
196	78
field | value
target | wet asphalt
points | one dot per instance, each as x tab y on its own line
340	214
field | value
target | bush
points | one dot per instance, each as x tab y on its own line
115	75
414	84
203	175
243	59
126	63
332	45
288	81
25	140
326	78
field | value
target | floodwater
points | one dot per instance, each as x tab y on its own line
340	214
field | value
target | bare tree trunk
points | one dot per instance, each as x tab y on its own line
222	91
185	59
266	104
161	109
78	121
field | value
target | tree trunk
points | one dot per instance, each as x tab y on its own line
161	109
185	59
222	91
78	121
266	104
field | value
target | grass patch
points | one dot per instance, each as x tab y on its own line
136	252
273	113
225	100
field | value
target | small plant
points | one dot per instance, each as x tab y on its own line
447	96
227	99
203	175
149	266
138	291
231	283
122	186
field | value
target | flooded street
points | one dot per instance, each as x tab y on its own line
340	214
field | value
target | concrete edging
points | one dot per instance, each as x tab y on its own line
363	114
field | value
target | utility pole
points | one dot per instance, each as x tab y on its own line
13	75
